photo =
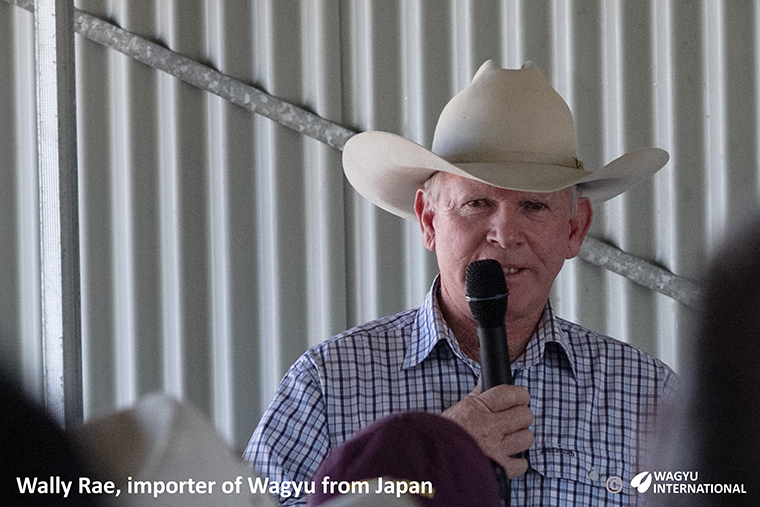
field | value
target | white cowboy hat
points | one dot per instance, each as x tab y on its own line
152	451
509	129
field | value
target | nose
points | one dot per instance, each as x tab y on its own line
505	228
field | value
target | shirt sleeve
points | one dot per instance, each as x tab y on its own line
671	388
291	439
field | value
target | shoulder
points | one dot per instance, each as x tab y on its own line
597	353
595	345
391	325
383	336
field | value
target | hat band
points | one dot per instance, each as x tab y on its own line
491	157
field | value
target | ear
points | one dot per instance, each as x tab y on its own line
579	225
425	213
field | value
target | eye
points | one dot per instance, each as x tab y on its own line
475	206
535	206
476	203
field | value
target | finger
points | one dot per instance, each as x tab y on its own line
517	443
509	453
502	397
515	467
473	415
508	444
509	421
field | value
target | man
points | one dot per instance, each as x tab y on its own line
502	181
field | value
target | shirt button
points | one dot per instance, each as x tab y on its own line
593	475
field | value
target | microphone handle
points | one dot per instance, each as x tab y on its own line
495	366
495	370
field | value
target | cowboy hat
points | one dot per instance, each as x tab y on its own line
164	452
508	128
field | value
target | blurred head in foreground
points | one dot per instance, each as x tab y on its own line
40	465
422	456
721	426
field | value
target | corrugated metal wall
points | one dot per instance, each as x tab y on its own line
217	245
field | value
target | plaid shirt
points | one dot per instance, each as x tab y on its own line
594	399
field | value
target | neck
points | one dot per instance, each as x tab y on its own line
464	328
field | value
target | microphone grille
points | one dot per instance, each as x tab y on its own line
487	292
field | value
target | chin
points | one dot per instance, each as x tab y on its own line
520	311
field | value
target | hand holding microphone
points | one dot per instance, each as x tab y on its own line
497	418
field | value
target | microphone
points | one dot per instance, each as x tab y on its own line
487	296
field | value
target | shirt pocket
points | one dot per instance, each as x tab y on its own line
589	467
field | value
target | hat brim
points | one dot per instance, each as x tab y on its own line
387	170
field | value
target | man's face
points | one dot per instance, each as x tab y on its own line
530	234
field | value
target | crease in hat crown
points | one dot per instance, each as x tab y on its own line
507	116
509	128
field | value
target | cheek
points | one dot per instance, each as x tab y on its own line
455	248
553	247
450	255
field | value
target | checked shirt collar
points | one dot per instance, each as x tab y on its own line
430	328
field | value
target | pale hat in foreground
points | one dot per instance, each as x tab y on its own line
508	128
157	448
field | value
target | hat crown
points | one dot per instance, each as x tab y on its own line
506	116
509	129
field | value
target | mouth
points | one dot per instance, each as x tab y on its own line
511	271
